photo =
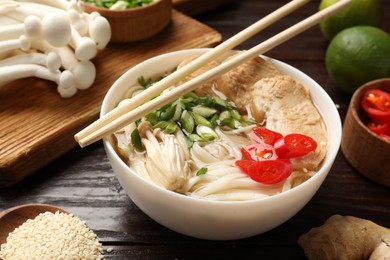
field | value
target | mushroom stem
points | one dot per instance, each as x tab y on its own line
21	43
51	60
84	71
7	6
75	17
31	27
58	32
61	4
63	79
55	27
85	48
20	12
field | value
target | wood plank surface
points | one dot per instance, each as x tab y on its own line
37	125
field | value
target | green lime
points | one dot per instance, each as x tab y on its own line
360	12
357	55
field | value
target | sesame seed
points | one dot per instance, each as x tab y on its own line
52	236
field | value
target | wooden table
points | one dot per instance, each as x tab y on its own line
83	182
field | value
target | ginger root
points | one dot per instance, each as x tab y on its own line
347	237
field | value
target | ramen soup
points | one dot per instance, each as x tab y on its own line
248	134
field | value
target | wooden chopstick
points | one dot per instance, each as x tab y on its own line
188	86
174	77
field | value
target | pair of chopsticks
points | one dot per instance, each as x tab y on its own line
144	103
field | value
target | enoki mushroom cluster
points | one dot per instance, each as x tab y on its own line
51	39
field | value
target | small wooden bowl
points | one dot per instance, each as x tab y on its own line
136	23
16	216
365	151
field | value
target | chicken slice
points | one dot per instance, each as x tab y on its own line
286	107
236	83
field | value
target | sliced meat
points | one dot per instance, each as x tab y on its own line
286	107
236	83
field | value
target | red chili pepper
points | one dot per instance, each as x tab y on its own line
265	135
266	161
377	105
294	145
385	136
379	128
258	152
268	171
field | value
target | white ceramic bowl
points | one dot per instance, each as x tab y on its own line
212	219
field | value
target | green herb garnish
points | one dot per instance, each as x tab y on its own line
197	117
202	171
136	139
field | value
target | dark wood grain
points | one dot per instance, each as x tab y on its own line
83	182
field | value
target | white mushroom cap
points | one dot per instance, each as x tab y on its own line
85	49
53	61
100	31
66	86
84	74
24	43
33	27
56	29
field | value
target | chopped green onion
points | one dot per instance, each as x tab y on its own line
145	82
178	111
152	118
250	121
136	139
234	114
195	138
220	102
192	111
200	120
161	124
224	115
169	113
214	120
171	128
202	171
189	143
204	111
232	123
206	133
187	122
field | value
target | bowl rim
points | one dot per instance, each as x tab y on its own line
329	159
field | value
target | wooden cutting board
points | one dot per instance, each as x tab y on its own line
37	125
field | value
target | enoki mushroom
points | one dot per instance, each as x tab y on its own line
52	40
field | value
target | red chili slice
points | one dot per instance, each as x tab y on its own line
267	172
294	145
379	128
377	105
266	136
258	152
385	136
